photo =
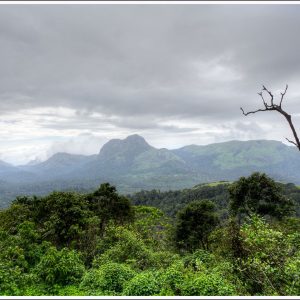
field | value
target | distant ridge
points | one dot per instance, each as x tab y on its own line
132	165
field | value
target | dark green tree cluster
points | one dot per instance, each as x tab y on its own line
258	194
218	192
194	224
97	244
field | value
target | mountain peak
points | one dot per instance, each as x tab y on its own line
127	148
135	138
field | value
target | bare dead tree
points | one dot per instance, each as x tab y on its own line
271	106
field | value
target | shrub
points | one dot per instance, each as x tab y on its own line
123	246
203	284
266	264
60	267
173	279
110	277
293	275
11	280
147	283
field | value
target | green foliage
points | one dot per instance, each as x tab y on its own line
194	224
70	290
108	205
63	215
13	216
123	246
203	284
196	275
266	266
152	225
172	278
258	194
109	279
147	283
61	267
292	273
29	239
198	258
171	202
12	279
98	244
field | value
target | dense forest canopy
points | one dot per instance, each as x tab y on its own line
171	201
189	243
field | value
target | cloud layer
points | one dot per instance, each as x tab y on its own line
74	76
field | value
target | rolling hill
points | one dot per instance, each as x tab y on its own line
132	165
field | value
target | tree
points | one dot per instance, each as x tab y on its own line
61	267
276	107
271	264
108	279
194	224
146	283
108	205
63	217
258	194
153	225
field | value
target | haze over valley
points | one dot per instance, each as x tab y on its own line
132	165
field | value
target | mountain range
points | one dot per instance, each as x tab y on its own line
132	165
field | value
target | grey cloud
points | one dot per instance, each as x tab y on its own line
142	65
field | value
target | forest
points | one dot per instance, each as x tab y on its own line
218	239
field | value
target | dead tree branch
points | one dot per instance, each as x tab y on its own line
278	108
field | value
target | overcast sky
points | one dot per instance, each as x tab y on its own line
74	76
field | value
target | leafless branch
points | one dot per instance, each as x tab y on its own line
263	99
283	94
291	142
271	95
278	108
252	112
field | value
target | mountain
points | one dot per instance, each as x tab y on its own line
124	150
229	160
132	165
34	162
58	165
117	156
10	173
5	167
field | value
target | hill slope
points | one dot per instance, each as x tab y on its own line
132	165
172	201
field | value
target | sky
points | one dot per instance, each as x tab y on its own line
73	76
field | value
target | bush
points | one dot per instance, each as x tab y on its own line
11	280
161	259
172	279
69	290
198	258
110	277
202	284
147	283
123	246
60	267
266	264
192	278
293	275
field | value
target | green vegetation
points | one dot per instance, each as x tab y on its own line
258	194
194	224
193	243
172	201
